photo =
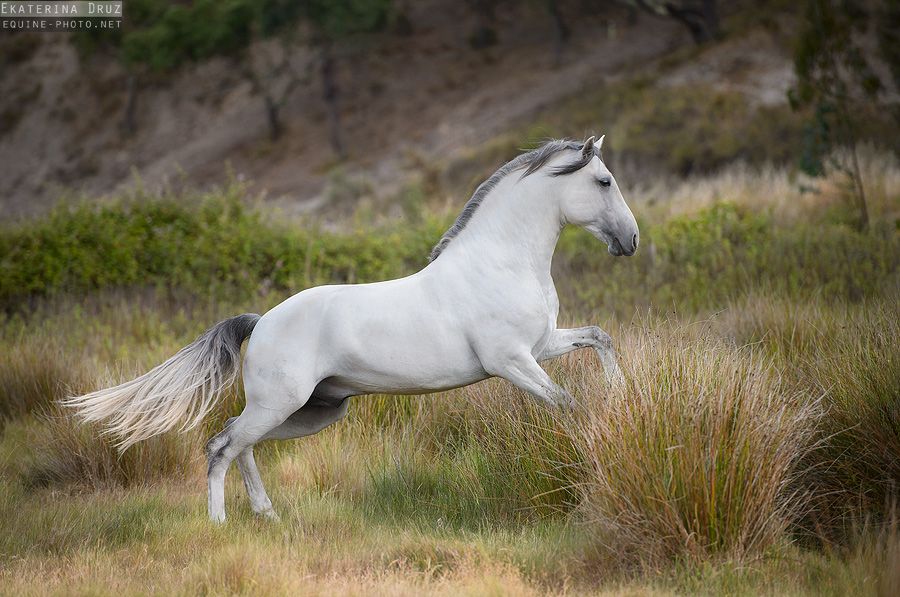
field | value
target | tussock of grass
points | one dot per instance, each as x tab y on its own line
696	457
34	374
66	452
847	354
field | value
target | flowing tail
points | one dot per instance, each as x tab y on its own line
184	388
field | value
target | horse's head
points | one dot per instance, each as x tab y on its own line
590	198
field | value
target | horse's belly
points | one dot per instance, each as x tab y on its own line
382	367
376	383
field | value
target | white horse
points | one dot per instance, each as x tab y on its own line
484	306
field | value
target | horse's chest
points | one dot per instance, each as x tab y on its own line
537	317
546	331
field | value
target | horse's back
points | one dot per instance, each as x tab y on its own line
394	336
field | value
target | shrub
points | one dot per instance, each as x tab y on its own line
702	261
211	245
214	246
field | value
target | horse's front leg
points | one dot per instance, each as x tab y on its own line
567	340
525	373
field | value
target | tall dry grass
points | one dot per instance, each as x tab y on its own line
793	196
696	457
848	353
65	452
32	374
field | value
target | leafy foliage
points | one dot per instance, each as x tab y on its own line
215	246
701	262
208	244
337	19
833	75
163	35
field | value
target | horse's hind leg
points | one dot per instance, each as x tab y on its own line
305	421
225	446
246	463
310	419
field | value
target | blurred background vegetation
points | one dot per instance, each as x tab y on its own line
322	106
217	157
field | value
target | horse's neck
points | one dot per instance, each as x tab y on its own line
516	230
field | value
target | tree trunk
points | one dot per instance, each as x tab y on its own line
272	117
702	23
330	95
129	122
860	191
850	141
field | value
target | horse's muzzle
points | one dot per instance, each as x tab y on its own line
616	249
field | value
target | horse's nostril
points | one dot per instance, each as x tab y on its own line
634	242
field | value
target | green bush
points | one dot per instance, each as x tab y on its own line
702	262
211	245
214	246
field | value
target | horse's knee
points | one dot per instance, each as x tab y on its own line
603	340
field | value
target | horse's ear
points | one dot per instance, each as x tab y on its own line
599	145
588	147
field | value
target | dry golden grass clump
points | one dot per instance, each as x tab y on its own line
32	374
848	354
68	452
696	455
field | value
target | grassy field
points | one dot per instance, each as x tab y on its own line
754	448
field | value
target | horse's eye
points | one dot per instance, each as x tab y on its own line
604	182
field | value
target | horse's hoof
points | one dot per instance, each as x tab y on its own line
269	514
566	404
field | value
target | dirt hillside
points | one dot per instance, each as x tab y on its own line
61	112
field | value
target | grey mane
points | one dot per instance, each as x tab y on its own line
531	161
